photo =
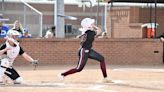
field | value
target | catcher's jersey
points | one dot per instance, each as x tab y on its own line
87	39
13	53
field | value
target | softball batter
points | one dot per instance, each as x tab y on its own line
89	31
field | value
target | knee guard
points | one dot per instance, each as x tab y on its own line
12	73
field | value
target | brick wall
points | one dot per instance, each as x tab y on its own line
125	22
121	23
145	18
115	51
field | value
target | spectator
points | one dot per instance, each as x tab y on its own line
26	34
18	27
50	32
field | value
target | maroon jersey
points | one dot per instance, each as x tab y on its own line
87	39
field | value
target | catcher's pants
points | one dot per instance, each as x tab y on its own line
9	71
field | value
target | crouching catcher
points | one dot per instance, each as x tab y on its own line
8	52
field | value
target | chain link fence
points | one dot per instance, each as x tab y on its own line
29	17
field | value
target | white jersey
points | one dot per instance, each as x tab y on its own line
13	53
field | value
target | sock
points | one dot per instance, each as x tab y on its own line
103	68
69	72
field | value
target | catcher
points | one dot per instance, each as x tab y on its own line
8	52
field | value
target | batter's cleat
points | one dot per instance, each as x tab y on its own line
107	80
61	77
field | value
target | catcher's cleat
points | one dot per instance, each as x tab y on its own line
19	80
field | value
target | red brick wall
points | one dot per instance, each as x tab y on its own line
121	23
115	51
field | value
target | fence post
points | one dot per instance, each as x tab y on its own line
60	33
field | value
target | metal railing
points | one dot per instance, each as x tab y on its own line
36	11
31	18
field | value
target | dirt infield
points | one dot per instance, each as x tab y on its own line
126	78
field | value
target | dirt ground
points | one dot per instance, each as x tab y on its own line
126	79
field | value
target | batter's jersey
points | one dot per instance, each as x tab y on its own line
87	39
